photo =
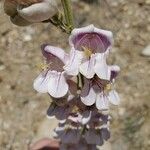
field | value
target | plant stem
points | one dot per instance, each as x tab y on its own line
68	13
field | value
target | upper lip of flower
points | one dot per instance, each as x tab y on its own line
53	79
92	38
55	57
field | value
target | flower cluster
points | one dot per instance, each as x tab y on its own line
23	12
81	85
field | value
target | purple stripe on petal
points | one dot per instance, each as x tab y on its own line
97	43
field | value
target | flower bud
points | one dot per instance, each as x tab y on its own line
10	7
23	12
19	21
39	11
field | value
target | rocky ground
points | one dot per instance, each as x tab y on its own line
23	111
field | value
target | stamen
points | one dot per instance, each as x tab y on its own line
43	66
87	51
75	109
108	87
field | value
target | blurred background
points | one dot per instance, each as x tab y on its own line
23	110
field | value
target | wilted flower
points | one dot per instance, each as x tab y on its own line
60	112
23	12
68	135
99	91
92	46
97	136
98	119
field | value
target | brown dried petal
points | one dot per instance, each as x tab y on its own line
19	21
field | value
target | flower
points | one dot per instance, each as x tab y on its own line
100	91
97	136
67	135
98	119
23	13
90	47
60	112
81	145
81	118
53	78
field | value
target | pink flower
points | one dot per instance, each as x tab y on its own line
90	47
99	91
53	78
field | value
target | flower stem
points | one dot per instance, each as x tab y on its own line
68	13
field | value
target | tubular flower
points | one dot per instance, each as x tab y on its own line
80	106
100	91
91	46
53	78
23	12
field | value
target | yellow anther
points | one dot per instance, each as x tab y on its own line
108	87
87	51
75	109
42	66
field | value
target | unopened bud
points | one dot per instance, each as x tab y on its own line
10	7
39	11
19	21
23	12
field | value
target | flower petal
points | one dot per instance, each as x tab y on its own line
92	137
60	112
106	33
87	67
57	86
102	102
101	40
114	71
89	99
101	68
19	21
77	31
41	82
50	51
86	116
114	97
72	66
105	133
71	136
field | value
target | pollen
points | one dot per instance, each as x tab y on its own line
87	51
42	66
108	87
75	109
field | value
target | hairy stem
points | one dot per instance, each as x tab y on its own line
68	13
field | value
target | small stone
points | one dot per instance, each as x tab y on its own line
45	129
147	2
146	51
27	38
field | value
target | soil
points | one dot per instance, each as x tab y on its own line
22	110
